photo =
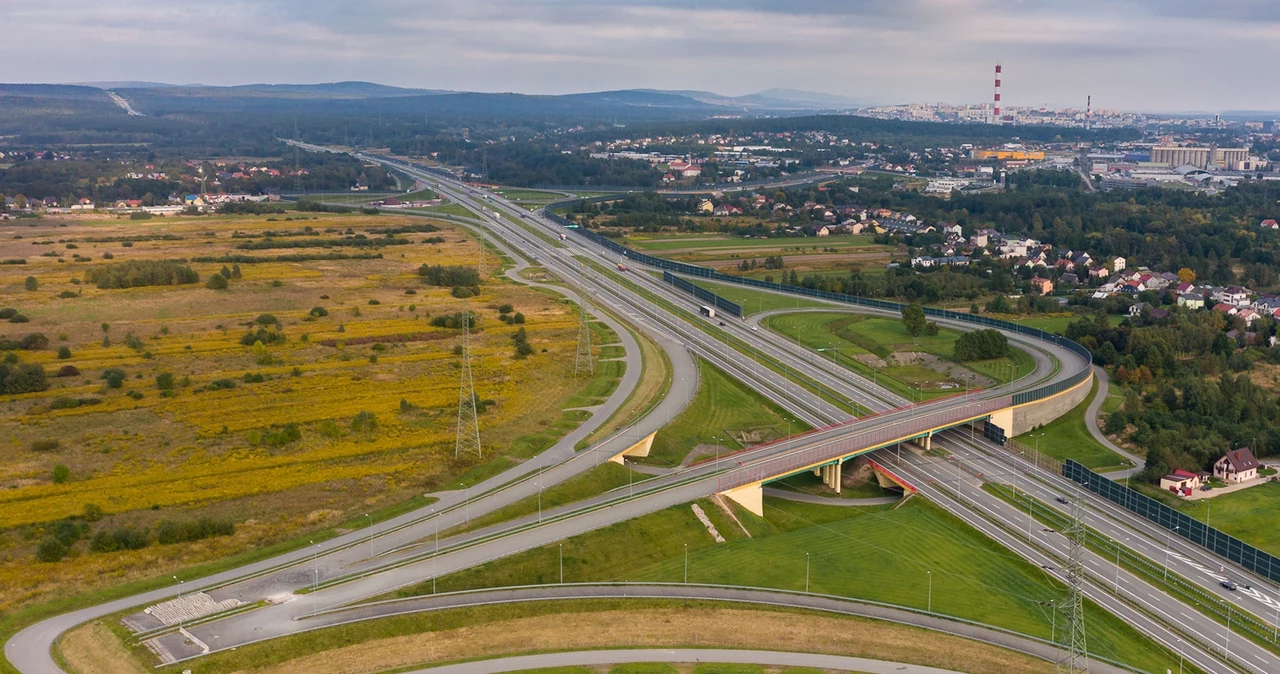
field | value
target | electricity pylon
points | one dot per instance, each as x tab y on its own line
468	437
583	363
1075	659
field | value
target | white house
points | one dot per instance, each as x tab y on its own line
1237	465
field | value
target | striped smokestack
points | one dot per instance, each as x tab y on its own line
996	110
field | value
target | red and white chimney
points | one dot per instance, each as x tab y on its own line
995	115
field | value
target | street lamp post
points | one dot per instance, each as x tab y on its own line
1118	564
315	565
370	534
179	601
1168	542
686	563
929	604
562	563
806	573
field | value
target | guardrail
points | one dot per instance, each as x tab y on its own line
710	274
1175	521
718	302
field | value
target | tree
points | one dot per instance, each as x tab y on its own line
32	283
61	474
51	550
913	319
980	345
1186	275
216	282
64	352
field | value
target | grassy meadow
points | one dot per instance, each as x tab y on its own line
158	408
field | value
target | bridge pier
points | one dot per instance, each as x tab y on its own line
749	496
639	449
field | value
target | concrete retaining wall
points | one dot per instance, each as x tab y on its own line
1041	412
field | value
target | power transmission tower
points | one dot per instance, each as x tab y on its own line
297	162
1075	659
583	363
468	437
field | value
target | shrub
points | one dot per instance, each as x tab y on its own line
7	313
51	550
61	474
44	445
411	291
981	345
461	292
506	309
518	319
19	318
267	337
108	256
24	378
318	312
374	302
454	321
364	421
138	215
138	273
169	532
68	371
34	341
136	395
32	283
91	512
283	435
164	381
216	282
452	275
67	294
121	538
253	378
218	384
266	319
115	377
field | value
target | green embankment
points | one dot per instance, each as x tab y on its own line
864	344
724	413
916	555
1068	437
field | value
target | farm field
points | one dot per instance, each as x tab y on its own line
914	367
320	384
1068	437
804	255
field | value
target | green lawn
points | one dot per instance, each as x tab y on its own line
783	245
755	301
598	480
449	209
1068	437
916	555
520	194
722	413
1249	515
1055	323
809	483
844	336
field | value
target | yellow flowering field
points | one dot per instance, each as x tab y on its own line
253	403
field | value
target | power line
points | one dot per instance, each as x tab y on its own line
582	362
1075	659
468	436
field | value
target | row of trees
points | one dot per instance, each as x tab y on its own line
137	273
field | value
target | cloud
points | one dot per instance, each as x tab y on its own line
1132	54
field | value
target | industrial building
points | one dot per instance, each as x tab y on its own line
1175	155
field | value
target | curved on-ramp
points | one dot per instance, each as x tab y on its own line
700	655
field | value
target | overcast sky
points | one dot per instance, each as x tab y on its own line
1208	55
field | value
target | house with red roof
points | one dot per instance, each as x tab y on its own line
1236	466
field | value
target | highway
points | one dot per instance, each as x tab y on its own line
405	551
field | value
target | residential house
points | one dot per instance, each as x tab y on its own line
1236	466
1118	264
1234	295
983	237
824	231
1191	301
705	206
1269	224
950	228
1068	279
1249	316
1182	481
1042	285
1098	271
1225	308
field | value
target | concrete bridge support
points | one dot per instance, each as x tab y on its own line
749	496
639	449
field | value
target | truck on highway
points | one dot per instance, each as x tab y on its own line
622	267
563	237
707	311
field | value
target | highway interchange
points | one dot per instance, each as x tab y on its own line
405	551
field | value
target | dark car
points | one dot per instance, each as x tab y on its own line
1063	500
722	324
1229	585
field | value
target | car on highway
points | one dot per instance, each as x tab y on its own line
1229	585
1063	501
